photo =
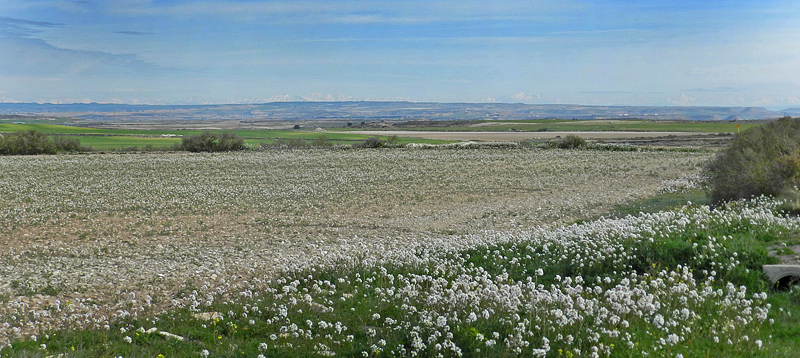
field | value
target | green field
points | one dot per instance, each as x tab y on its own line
558	125
115	139
111	143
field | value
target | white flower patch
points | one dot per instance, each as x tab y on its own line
450	294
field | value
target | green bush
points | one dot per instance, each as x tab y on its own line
323	142
569	142
212	142
762	160
375	142
68	144
372	142
27	143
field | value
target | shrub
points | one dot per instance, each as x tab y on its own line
375	142
569	142
323	142
762	160
212	142
287	143
572	142
371	142
27	142
67	144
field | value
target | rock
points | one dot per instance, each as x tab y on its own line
207	316
171	335
318	308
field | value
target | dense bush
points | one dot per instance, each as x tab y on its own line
27	142
760	160
287	143
212	142
34	142
68	144
569	142
323	142
375	142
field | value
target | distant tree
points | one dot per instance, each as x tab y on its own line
375	142
323	142
212	142
569	142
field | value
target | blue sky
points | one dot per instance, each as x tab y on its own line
609	52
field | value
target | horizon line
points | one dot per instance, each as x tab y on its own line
775	108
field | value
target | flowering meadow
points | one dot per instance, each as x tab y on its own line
429	253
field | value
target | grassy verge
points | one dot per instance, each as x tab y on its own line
685	281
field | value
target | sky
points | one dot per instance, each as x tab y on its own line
600	52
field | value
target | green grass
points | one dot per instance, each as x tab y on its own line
661	202
786	330
116	139
112	143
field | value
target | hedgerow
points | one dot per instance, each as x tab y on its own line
34	142
212	142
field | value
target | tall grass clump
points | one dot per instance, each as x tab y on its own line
212	142
762	160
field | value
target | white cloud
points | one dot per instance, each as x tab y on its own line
682	100
327	97
524	97
35	57
24	54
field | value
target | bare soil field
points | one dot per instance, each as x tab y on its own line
107	235
654	139
518	136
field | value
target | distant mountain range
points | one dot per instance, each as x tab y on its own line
352	111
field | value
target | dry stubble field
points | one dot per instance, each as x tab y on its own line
113	234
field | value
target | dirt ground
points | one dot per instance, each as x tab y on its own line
648	139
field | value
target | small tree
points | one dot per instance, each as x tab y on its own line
323	142
572	142
212	142
371	142
569	142
762	160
